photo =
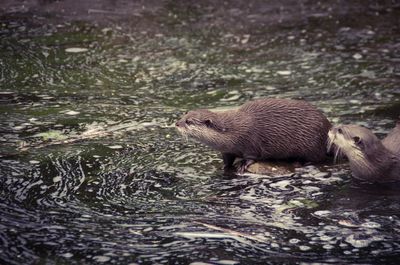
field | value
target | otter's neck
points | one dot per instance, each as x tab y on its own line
235	121
376	164
234	126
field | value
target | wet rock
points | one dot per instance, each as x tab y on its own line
270	169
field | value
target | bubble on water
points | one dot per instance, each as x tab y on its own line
343	245
148	229
270	88
328	247
322	213
76	50
355	101
326	238
45	54
67	255
304	248
19	128
57	179
115	147
101	258
275	245
371	225
246	38
284	72
34	162
357	56
72	112
6	93
232	98
362	240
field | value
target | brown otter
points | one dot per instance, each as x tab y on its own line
370	159
259	130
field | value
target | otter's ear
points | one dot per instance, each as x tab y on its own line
208	122
357	140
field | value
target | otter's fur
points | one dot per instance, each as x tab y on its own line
370	159
261	129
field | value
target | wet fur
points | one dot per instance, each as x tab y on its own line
392	140
262	129
370	159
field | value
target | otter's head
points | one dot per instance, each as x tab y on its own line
353	140
201	125
359	145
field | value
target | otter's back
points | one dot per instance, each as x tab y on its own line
285	128
392	140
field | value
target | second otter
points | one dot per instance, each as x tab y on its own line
261	129
370	158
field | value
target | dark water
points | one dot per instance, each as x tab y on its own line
92	170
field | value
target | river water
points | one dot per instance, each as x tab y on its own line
93	171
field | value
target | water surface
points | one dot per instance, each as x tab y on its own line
93	171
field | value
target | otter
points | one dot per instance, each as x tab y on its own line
370	159
260	130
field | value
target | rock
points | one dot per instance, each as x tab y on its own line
271	169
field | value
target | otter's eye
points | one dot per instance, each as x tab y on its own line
340	131
208	123
188	122
357	140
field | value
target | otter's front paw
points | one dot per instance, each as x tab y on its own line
244	165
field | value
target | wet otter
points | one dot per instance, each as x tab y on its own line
370	159
259	130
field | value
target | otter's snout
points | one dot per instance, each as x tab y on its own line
181	124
